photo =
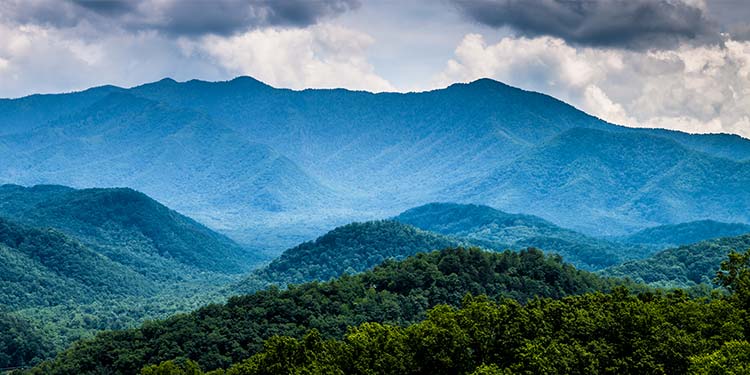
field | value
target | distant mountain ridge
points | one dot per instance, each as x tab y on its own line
682	266
500	230
685	233
249	159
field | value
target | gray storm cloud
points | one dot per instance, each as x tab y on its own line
631	24
220	17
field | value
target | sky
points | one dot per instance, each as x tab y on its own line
677	64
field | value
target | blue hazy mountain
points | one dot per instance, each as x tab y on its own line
24	114
499	230
685	233
274	167
623	180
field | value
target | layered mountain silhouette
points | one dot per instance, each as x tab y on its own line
250	160
498	230
357	247
685	233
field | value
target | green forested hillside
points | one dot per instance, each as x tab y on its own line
500	230
613	333
351	248
21	344
685	233
395	292
683	266
47	268
75	262
129	228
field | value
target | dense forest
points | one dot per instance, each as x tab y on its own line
396	293
615	333
21	344
454	311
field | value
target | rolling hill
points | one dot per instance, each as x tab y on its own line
47	268
500	230
682	266
249	159
349	249
128	227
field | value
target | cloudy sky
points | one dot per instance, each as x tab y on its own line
680	64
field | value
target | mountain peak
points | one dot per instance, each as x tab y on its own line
166	81
248	81
483	84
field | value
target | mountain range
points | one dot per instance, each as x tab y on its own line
275	167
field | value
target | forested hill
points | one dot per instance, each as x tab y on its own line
128	227
44	267
396	292
682	266
75	262
351	249
500	230
685	233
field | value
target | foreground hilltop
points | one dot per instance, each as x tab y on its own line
396	293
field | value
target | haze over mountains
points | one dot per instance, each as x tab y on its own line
273	167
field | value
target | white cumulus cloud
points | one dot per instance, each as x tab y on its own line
321	56
699	89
